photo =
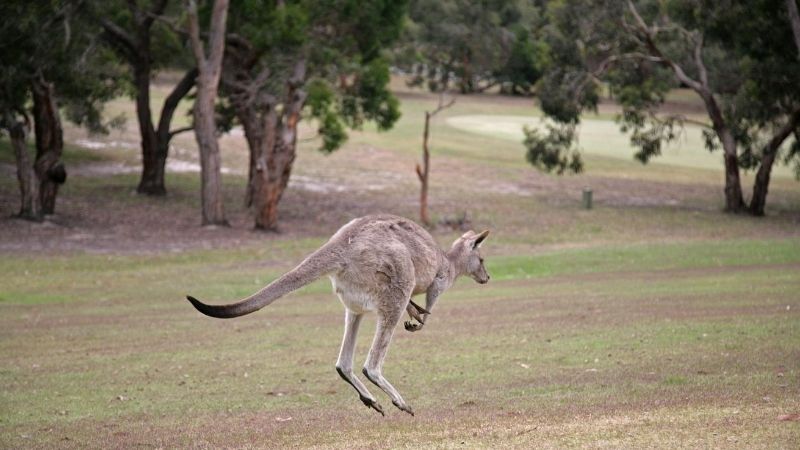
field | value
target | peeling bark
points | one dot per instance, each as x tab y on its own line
49	168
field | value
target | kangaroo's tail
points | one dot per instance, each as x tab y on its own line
314	266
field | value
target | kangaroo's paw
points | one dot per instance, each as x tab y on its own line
403	407
370	403
412	327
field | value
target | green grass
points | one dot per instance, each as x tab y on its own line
651	257
705	327
627	326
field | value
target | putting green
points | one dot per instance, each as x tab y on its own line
603	138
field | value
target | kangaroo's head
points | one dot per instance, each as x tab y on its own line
466	257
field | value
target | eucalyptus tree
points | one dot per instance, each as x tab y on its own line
738	58
320	61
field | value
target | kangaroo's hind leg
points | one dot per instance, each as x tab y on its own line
344	365
373	368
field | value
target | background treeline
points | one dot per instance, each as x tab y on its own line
267	66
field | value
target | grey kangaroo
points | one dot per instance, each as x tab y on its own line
376	264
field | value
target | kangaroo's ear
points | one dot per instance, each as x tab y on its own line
480	238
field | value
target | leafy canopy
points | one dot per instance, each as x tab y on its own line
744	50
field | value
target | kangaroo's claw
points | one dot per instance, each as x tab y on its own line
370	403
404	407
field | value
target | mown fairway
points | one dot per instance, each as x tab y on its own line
653	320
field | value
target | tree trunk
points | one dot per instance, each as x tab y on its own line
761	185
209	70
210	163
152	179
272	139
273	159
734	200
259	130
49	144
422	173
30	208
770	152
135	48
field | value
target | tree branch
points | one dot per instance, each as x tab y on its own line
175	28
701	87
794	20
216	37
133	8
442	105
155	12
651	45
180	130
783	132
116	35
171	102
194	33
698	60
681	118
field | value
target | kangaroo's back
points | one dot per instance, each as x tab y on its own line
379	234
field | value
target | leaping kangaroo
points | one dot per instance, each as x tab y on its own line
376	264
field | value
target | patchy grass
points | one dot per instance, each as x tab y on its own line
601	345
653	320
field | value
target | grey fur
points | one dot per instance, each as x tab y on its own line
376	264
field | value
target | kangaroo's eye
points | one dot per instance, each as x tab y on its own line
481	260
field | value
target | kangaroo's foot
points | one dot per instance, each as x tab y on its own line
363	393
403	407
370	403
380	381
412	327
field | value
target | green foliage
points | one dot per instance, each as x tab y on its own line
321	102
346	78
474	45
55	40
747	52
369	97
553	149
649	133
525	63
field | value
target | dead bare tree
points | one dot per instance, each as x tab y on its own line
423	171
209	68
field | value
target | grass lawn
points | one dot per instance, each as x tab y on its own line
652	320
691	344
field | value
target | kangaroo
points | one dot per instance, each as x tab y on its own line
376	264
